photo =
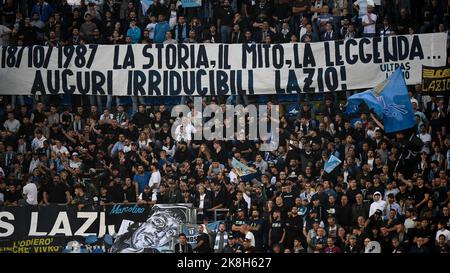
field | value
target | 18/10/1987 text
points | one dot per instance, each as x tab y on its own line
206	264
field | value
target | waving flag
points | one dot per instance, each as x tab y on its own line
390	101
332	163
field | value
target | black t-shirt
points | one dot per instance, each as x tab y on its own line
419	193
106	198
254	223
225	16
402	195
352	195
276	231
283	209
57	193
270	191
130	194
438	194
205	247
288	199
39	117
218	198
239	222
116	192
12	196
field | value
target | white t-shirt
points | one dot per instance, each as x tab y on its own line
155	179
151	30
250	236
362	4
12	125
202	201
426	138
370	28
446	233
30	190
38	143
75	165
62	150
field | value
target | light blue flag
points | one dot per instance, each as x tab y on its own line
332	163
390	101
191	3
145	4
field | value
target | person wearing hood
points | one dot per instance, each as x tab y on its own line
378	203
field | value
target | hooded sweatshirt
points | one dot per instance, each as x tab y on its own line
380	204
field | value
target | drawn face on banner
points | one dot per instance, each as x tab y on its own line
155	234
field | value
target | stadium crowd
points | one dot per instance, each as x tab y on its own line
390	188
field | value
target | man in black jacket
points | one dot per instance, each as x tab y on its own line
182	246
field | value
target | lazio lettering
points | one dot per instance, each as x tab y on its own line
218	69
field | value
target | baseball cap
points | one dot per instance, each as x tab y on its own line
314	197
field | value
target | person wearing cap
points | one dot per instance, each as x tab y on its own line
352	245
75	162
233	245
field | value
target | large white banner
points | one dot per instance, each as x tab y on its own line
217	69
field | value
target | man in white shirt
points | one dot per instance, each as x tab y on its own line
155	180
30	193
442	231
426	139
58	148
38	141
11	124
369	22
245	229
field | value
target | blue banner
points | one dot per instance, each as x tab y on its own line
191	3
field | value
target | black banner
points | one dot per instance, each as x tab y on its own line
436	80
133	212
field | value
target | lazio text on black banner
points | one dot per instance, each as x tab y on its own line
436	80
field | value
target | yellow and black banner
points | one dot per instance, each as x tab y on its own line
435	80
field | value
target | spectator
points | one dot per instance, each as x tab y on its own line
329	33
43	9
202	245
369	21
182	246
225	21
161	28
134	32
83	200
